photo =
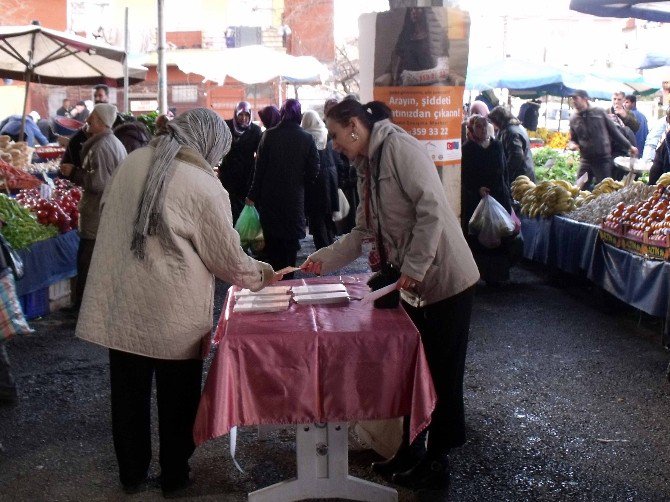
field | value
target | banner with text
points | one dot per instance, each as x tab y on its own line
420	62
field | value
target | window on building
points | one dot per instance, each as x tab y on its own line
184	93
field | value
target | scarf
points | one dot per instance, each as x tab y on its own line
312	123
199	129
239	129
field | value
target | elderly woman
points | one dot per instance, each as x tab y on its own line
406	213
483	172
515	142
321	196
165	232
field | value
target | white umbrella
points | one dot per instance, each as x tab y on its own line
35	54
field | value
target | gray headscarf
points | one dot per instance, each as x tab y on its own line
201	130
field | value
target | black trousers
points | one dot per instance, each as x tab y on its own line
444	328
84	255
281	253
177	395
322	228
236	206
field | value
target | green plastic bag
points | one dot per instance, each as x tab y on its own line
249	227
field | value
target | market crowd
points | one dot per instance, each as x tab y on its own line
158	218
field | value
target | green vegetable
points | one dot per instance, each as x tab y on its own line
552	164
20	227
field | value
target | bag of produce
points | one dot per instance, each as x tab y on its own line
490	222
249	227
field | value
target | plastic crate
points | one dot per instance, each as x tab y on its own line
35	304
60	295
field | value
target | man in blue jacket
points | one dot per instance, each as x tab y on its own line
12	128
630	104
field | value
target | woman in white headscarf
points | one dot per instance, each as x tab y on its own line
321	196
165	233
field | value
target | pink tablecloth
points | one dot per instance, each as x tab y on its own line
315	363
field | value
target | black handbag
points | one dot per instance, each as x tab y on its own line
389	273
11	258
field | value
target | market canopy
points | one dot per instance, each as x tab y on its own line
512	74
37	54
253	64
33	53
650	10
529	80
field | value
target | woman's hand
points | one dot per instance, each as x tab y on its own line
407	283
484	191
312	267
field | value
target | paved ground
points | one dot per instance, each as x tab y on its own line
567	400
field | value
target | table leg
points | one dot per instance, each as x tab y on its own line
322	452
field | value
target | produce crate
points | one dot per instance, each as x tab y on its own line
35	304
60	295
610	238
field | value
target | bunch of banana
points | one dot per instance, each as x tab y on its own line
520	186
548	198
584	197
608	185
663	180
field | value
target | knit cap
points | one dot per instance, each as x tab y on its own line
106	113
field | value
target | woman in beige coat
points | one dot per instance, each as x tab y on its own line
165	232
405	211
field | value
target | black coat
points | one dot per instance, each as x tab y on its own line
482	168
518	157
287	160
237	169
321	196
661	161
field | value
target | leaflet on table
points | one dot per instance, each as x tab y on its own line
322	298
269	290
261	306
318	288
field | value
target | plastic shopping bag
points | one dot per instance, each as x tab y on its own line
343	205
249	227
490	222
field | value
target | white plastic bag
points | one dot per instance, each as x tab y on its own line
490	222
343	205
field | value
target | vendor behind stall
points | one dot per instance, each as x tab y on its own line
11	126
593	133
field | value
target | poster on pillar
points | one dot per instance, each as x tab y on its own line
420	62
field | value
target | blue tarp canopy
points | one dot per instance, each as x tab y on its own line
650	10
512	74
655	60
527	79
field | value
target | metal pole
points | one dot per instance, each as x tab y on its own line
28	76
126	98
279	93
162	67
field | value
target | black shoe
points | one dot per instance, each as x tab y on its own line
175	489
428	474
9	398
145	485
403	460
